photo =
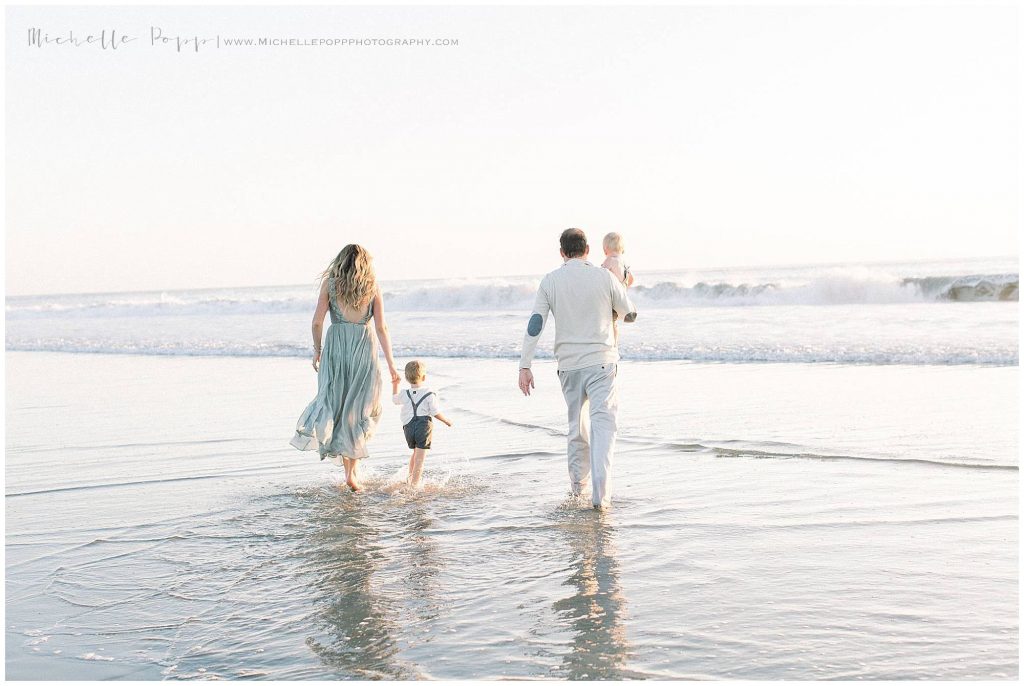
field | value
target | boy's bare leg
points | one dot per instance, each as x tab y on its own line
412	465
416	473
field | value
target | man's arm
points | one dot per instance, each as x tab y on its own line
621	302
534	328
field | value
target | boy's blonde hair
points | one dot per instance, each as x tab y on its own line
613	243
415	371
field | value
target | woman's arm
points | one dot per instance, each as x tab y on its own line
322	304
383	335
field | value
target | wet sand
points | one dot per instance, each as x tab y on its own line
770	521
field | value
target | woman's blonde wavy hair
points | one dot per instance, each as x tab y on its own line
355	283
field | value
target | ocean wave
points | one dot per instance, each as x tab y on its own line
153	305
980	287
993	355
840	288
832	287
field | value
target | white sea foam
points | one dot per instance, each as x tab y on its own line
904	314
753	352
808	286
95	656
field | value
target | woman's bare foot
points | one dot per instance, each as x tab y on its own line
354	485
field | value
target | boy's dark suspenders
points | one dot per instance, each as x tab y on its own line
416	404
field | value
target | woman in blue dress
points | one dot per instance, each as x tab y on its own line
344	414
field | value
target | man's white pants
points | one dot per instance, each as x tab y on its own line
593	406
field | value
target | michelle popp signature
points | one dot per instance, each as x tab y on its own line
113	39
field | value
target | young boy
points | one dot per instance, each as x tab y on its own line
419	405
614	246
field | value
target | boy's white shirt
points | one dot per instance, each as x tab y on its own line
428	408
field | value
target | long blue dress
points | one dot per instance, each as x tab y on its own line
344	414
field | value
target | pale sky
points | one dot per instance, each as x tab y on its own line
706	136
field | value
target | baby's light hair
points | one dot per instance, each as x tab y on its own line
415	371
613	243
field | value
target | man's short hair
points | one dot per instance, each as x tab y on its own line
573	243
415	371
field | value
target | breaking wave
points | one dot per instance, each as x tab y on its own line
839	288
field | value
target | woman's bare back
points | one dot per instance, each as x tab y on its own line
353	315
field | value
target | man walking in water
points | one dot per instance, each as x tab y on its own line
582	298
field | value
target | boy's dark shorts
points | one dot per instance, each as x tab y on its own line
418	432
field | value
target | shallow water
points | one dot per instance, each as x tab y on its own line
769	521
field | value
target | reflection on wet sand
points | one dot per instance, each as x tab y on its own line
595	611
376	581
423	577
